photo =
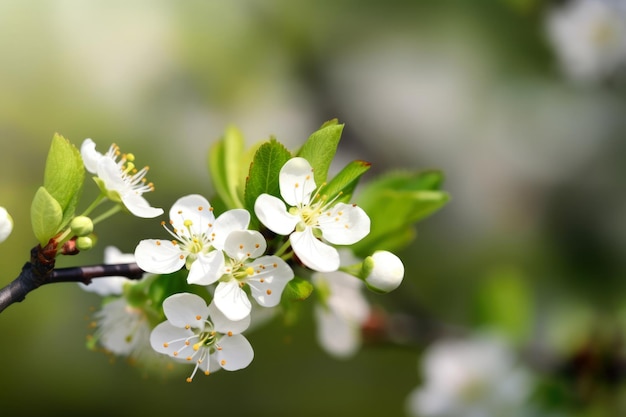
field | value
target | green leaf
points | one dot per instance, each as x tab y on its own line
46	216
504	302
346	180
224	167
320	149
297	290
64	176
394	202
264	170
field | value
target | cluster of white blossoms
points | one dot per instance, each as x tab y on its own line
227	265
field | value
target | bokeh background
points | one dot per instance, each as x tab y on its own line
532	245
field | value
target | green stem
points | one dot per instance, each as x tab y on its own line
93	205
283	248
107	214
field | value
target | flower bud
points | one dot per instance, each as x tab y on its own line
385	271
6	224
84	243
81	226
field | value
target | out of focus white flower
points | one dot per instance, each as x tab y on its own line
6	224
469	378
589	37
341	315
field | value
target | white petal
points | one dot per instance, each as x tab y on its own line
139	206
195	208
163	335
243	244
206	269
235	219
159	256
110	173
106	285
113	256
232	300
90	155
223	325
272	212
269	281
6	224
344	224
339	337
388	272
296	181
236	352
314	253
186	309
210	364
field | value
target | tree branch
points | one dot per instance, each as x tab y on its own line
40	271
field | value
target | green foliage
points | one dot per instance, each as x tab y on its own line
504	303
46	215
264	170
224	166
320	149
64	176
395	202
346	180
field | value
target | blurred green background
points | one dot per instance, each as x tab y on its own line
533	242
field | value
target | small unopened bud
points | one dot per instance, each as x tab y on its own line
84	243
81	226
385	271
6	224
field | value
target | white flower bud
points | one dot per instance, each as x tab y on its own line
6	224
386	273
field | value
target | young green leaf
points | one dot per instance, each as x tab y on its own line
224	167
64	176
264	170
320	149
346	180
46	216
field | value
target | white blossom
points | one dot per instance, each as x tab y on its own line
120	180
200	334
387	272
111	285
198	241
341	313
469	378
311	217
589	37
266	276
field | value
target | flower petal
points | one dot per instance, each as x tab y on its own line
344	224
235	353
314	253
243	244
223	325
273	213
6	224
296	181
232	300
206	269
109	172
139	206
159	256
163	335
337	336
270	277
90	155
194	208
186	309
235	219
